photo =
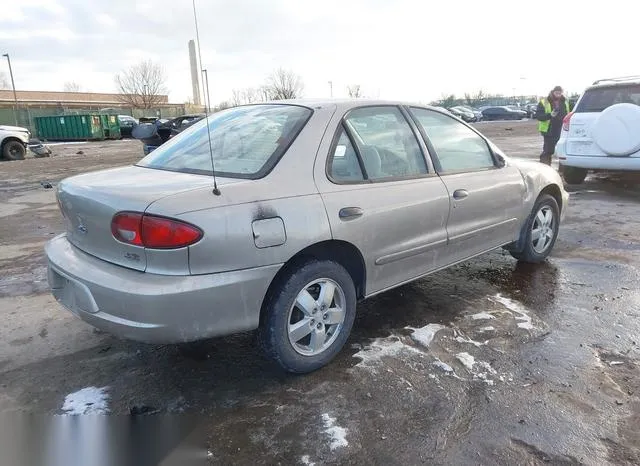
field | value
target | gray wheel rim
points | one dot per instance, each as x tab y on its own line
317	316
543	229
15	151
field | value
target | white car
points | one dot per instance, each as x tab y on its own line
13	142
603	131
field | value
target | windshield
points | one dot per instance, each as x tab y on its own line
245	142
598	99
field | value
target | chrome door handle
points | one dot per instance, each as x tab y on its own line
459	194
348	213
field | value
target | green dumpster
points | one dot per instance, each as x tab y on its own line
89	126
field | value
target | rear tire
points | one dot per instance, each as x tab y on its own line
13	150
308	316
574	175
541	229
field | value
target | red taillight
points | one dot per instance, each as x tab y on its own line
567	121
153	232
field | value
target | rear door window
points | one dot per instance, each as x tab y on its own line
598	99
386	143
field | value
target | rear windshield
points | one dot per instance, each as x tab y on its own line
246	142
598	99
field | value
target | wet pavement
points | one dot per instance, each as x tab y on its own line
488	362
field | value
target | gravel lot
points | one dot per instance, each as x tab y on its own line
488	362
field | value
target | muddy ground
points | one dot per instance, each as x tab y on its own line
488	362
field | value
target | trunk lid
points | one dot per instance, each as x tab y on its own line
579	140
88	203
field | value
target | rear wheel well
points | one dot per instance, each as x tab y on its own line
341	252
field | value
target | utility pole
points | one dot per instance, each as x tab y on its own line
13	86
206	84
331	88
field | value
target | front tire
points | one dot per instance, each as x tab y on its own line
541	229
14	150
308	316
574	175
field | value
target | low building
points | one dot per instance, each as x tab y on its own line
43	103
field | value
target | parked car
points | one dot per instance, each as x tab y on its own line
127	123
13	142
503	113
154	132
314	205
603	131
477	113
463	113
531	109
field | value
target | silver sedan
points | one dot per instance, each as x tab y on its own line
281	216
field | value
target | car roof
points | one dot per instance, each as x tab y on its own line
615	82
346	104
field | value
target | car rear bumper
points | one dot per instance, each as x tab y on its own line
601	163
595	162
155	308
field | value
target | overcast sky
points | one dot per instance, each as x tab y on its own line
396	49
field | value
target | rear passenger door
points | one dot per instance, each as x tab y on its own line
382	195
486	195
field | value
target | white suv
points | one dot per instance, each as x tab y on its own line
13	142
603	131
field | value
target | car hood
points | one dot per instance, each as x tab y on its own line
13	128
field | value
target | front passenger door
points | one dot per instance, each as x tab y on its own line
486	195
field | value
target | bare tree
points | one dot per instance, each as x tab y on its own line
4	81
354	91
263	93
284	84
142	85
72	86
236	97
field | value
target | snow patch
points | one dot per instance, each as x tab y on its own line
306	461
381	348
518	308
425	335
90	400
337	434
461	339
467	360
444	366
482	316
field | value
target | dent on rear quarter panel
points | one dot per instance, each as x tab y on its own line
229	243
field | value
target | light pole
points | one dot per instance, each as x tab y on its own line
13	86
331	88
145	93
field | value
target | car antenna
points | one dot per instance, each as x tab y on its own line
207	102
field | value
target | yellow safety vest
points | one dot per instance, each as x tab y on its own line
543	126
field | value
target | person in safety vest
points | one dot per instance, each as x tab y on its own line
550	113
